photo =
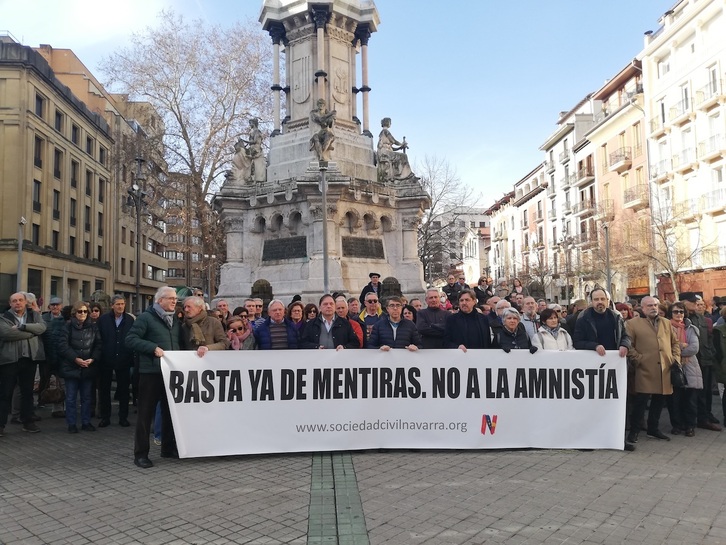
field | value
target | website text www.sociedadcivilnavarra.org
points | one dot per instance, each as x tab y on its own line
381	425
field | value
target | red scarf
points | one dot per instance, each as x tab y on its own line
680	329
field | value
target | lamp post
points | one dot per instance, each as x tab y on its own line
566	244
19	275
608	273
323	166
136	197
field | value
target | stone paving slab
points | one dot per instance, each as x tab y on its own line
57	488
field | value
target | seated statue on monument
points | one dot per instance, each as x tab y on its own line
248	163
322	141
392	159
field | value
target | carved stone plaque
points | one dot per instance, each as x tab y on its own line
371	248
285	248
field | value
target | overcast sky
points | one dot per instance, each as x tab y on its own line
477	83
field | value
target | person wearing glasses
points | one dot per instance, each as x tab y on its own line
155	330
371	313
239	332
80	352
683	404
94	311
394	331
296	314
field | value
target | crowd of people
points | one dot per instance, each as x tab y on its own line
74	352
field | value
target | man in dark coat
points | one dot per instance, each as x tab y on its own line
431	321
394	331
467	328
374	286
328	330
157	329
452	289
116	358
276	332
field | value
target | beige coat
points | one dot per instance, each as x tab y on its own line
652	353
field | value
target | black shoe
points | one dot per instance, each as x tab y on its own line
677	431
173	454
657	434
123	423
104	422
31	428
632	437
72	429
143	462
88	427
630	447
712	419
36	418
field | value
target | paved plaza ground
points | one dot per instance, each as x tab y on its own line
57	488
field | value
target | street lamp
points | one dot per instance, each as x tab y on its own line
136	198
323	166
608	273
19	275
566	244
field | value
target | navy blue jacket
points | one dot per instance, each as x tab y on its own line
382	334
458	332
342	331
114	352
264	339
79	340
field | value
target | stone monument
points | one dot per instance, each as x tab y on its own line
274	224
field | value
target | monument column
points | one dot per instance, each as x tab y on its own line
277	33
234	231
363	33
320	17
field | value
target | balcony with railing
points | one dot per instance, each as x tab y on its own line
551	190
552	213
566	208
605	210
585	174
685	160
680	112
564	156
621	159
636	198
661	170
524	224
657	126
714	202
549	166
584	208
712	149
714	256
710	95
569	181
587	239
687	211
539	216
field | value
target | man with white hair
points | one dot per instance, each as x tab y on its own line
200	331
276	332
530	318
155	330
431	321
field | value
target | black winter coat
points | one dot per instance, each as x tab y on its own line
79	340
462	329
382	334
514	341
342	331
114	352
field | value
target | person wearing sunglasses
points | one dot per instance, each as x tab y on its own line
80	350
683	404
239	332
310	312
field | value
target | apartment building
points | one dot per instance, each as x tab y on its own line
620	157
136	130
55	182
683	75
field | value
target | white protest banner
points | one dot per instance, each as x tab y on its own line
246	402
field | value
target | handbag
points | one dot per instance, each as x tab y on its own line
678	376
54	393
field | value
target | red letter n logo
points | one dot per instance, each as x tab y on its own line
488	421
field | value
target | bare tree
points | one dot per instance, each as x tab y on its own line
440	234
664	238
205	81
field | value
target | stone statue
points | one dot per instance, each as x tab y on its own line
248	163
392	159
322	141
